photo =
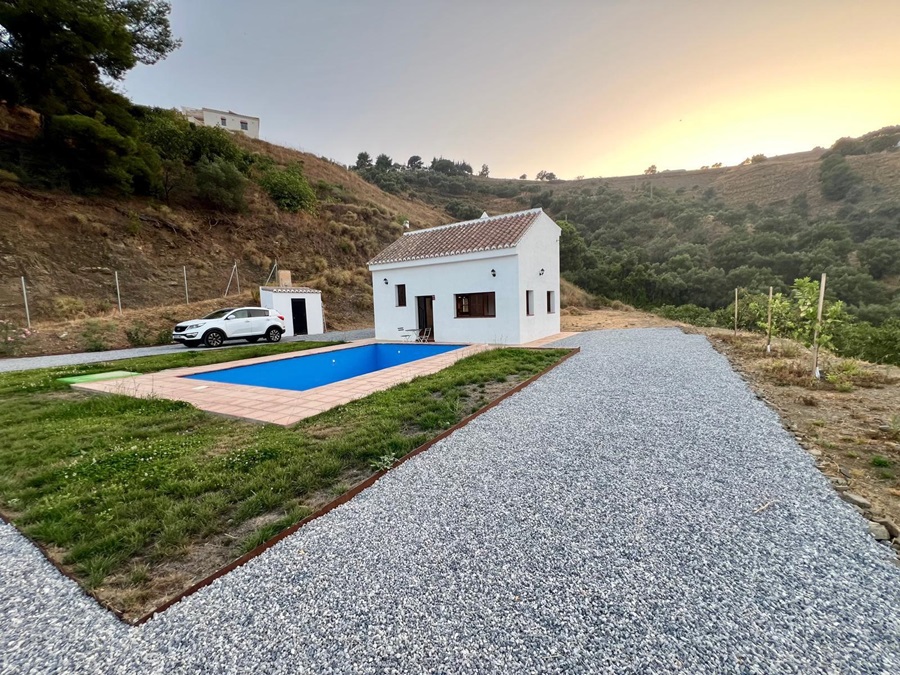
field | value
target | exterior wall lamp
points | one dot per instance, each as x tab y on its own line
493	273
385	282
541	273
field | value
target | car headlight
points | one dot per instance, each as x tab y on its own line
193	325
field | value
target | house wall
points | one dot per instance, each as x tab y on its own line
539	249
444	278
213	118
281	303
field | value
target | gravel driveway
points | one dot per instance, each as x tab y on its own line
32	362
601	520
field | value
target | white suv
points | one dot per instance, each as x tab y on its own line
236	323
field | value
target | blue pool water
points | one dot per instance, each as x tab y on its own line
314	370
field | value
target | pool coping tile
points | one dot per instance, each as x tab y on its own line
274	406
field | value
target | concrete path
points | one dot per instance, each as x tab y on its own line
32	362
607	518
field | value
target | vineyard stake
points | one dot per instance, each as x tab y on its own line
25	296
735	311
816	372
118	293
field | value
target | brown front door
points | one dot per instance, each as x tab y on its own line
425	314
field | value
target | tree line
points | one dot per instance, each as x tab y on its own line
59	59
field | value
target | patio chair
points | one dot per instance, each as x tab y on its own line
424	335
410	335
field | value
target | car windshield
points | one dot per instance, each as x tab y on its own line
218	314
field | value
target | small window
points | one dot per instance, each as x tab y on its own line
401	295
551	302
475	305
529	303
244	126
223	122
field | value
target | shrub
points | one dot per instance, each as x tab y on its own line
220	184
692	314
95	335
68	307
94	155
289	189
212	143
139	334
463	211
11	338
837	177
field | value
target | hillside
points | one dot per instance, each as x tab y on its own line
671	238
692	237
68	247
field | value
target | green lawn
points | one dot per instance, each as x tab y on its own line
121	489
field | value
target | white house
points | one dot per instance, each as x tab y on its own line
301	308
493	280
224	119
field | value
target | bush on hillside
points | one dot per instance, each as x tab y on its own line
220	184
838	179
289	189
463	211
94	155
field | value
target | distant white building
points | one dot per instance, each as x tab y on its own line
224	119
493	280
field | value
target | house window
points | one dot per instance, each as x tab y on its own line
243	125
529	303
551	302
473	305
401	295
223	122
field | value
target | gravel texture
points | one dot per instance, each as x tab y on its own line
605	519
32	362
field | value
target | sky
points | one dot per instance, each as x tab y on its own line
577	87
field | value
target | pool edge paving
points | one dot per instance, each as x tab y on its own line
283	407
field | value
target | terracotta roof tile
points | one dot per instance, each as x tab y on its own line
484	234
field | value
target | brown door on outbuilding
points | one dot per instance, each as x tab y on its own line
298	312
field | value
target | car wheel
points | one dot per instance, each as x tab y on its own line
192	343
214	338
273	334
253	339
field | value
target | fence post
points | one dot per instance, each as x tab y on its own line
769	329
187	299
735	311
271	273
118	294
230	277
237	277
816	373
25	297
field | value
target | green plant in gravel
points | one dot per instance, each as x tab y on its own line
881	462
384	462
112	482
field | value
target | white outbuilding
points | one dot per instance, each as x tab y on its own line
301	308
492	280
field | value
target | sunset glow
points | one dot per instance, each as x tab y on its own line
603	88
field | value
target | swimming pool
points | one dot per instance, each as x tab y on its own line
315	370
